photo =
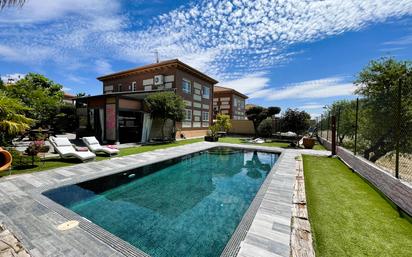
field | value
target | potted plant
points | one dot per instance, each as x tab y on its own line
212	133
308	142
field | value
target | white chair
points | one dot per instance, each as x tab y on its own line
93	144
66	150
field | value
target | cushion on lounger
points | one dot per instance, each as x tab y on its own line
62	141
91	141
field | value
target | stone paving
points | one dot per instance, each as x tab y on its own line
264	230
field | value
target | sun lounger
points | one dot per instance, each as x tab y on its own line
93	144
66	150
254	141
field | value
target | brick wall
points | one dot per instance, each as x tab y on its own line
396	190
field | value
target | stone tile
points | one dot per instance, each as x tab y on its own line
268	234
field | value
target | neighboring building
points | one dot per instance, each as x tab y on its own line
69	98
118	115
229	101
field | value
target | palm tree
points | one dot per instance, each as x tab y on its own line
4	3
12	119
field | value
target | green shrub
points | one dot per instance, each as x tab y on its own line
265	128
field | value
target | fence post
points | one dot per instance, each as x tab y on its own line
337	127
321	119
333	135
356	126
328	127
398	128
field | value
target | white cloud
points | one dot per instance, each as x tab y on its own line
249	84
225	39
65	89
103	67
25	54
313	89
36	11
311	106
14	76
257	85
407	40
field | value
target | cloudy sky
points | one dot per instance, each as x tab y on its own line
289	53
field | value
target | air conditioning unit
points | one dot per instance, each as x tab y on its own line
158	80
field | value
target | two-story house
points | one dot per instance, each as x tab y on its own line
118	115
229	101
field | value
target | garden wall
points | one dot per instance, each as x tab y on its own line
396	190
242	127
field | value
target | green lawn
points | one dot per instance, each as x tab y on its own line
237	140
56	163
350	218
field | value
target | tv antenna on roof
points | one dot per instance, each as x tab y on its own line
157	56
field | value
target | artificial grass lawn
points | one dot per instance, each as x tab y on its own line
58	162
348	217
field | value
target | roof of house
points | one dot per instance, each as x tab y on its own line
217	89
68	96
155	66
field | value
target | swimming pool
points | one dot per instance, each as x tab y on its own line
187	206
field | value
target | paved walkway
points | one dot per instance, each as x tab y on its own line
266	234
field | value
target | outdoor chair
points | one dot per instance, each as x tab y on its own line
93	144
66	150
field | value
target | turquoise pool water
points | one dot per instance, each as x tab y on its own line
188	206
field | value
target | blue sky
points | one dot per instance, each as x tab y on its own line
288	53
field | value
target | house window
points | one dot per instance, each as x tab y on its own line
119	88
206	92
108	89
187	86
188	115
134	86
205	116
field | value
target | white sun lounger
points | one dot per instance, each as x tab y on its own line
93	144
66	150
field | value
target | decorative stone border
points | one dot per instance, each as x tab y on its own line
301	239
10	245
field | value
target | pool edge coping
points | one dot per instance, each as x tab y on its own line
121	246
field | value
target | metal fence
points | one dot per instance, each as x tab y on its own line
379	129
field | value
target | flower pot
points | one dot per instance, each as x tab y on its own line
5	159
308	143
211	138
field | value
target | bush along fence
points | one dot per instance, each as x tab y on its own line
377	128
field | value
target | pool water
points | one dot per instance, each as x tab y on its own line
188	206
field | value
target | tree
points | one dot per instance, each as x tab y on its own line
164	106
5	3
295	121
12	119
66	119
378	83
265	128
346	119
39	93
2	86
258	113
